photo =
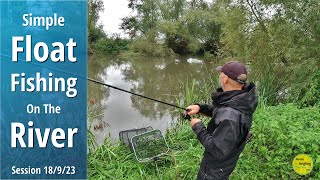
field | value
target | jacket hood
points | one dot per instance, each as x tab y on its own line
244	100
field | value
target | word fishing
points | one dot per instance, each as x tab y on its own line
42	84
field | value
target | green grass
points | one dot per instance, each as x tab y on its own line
280	133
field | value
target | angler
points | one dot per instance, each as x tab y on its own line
231	117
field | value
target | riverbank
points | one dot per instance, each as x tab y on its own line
280	133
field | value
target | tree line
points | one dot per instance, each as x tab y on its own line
280	39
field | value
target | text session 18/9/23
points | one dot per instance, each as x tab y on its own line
67	170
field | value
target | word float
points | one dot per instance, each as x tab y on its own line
18	131
40	50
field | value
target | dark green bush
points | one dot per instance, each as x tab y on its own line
109	45
311	93
280	133
145	47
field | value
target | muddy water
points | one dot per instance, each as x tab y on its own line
112	111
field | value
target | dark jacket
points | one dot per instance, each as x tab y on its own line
224	138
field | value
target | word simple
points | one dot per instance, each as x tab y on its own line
41	21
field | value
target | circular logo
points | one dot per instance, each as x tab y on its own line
302	164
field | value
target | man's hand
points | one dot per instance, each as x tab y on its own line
194	121
193	109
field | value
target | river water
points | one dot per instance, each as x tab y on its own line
111	111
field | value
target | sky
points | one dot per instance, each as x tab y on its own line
114	10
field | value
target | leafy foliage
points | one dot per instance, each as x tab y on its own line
280	133
145	47
185	26
98	41
311	93
95	31
278	38
111	45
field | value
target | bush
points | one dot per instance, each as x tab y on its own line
280	133
311	93
145	47
109	45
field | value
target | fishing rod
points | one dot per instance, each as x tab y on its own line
185	115
123	90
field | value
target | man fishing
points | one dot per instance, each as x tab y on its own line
231	112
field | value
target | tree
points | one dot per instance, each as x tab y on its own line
185	26
95	31
279	38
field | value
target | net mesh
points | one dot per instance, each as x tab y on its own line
125	136
149	145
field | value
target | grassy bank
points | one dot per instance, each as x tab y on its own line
280	133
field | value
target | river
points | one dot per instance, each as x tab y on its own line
111	111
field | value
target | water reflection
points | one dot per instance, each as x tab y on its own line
157	78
